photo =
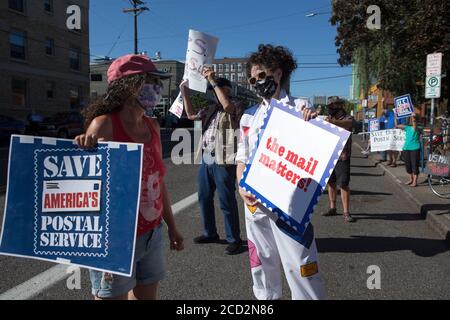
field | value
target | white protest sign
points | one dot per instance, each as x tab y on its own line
384	140
177	106
287	174
200	53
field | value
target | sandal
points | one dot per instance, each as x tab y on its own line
348	218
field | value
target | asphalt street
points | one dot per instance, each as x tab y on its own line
389	233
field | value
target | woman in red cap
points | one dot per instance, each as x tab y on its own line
134	89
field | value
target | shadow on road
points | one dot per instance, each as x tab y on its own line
367	244
444	207
368	193
364	174
364	167
389	216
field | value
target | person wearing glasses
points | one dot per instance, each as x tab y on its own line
220	121
272	244
134	90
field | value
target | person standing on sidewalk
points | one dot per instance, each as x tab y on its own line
272	243
217	169
390	123
341	174
134	89
411	150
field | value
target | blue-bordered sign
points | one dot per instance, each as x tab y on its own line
374	125
403	106
291	163
73	206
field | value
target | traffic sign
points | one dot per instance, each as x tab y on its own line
433	87
434	64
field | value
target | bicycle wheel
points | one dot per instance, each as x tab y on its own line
439	185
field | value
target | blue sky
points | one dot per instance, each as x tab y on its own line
239	24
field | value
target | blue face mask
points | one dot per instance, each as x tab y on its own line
149	96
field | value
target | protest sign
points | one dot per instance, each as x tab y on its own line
374	125
438	165
74	206
177	106
384	140
403	106
291	163
200	53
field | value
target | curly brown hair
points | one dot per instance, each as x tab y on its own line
273	58
117	93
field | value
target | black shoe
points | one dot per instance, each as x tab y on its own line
205	239
233	248
331	212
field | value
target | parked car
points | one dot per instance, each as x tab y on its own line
62	125
9	126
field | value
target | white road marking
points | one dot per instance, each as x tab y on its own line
48	278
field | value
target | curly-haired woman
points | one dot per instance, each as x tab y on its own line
134	89
273	244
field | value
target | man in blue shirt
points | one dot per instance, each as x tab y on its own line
388	121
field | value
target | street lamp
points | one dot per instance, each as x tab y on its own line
313	14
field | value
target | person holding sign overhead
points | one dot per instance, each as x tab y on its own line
272	244
134	89
217	168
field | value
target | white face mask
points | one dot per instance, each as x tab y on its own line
149	96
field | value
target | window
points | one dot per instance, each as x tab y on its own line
226	67
74	57
18	43
49	46
97	77
239	67
233	67
220	67
214	67
17	5
75	93
48	5
94	94
240	78
19	92
50	89
233	77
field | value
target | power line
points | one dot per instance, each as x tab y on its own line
324	78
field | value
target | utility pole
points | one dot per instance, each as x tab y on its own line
136	10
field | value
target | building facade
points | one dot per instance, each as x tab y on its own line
44	66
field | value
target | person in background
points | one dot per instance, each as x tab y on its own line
390	123
411	150
134	89
341	174
217	168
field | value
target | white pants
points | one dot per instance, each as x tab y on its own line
269	249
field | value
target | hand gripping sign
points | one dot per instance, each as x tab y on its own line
291	163
68	205
200	52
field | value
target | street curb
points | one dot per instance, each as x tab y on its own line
434	218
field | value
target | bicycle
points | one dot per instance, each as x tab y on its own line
439	183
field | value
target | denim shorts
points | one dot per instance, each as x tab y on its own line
149	267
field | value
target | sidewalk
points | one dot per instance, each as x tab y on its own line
435	211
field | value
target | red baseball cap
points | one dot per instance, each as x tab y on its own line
131	64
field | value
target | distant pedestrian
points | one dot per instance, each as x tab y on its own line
411	150
341	174
389	123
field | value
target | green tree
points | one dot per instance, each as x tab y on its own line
395	55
